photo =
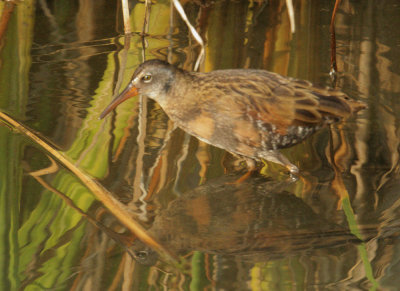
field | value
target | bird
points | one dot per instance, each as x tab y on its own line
251	113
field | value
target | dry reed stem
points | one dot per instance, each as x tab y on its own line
125	12
119	210
37	175
333	41
289	4
195	34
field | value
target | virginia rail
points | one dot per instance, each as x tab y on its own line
250	113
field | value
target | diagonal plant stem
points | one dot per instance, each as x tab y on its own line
37	175
119	210
336	160
195	34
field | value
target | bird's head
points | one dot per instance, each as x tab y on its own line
153	78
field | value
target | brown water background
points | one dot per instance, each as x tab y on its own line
337	228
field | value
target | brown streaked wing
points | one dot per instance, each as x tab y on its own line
273	99
298	102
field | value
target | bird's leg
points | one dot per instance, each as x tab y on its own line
251	164
251	167
277	157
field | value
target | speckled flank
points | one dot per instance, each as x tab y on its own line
271	139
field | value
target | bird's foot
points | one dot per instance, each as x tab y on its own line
293	172
278	158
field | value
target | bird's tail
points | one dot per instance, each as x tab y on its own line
356	105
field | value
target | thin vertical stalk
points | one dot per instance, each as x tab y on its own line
289	4
125	13
333	70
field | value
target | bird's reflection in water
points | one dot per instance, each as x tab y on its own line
256	220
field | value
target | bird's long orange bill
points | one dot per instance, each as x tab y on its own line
129	92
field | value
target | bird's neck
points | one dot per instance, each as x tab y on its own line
180	95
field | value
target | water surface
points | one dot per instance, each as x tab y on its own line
335	228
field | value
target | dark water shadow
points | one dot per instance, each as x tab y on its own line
256	220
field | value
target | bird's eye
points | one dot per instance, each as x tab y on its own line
147	78
141	255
